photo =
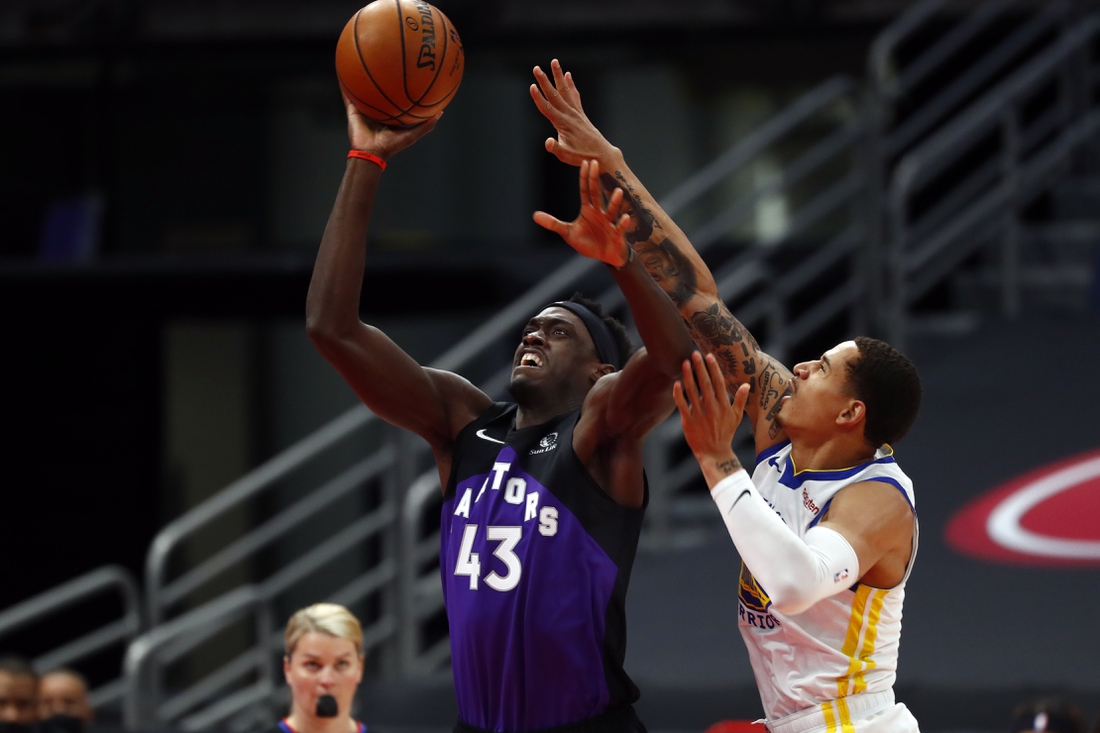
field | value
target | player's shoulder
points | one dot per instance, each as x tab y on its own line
884	469
463	401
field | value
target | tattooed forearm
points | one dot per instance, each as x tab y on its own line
771	418
728	466
635	198
728	361
644	221
714	326
719	328
770	384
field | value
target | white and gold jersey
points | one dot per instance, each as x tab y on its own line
841	646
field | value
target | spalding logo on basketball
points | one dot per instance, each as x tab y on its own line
1050	516
399	61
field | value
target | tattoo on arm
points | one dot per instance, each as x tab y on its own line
662	258
728	361
714	329
770	384
718	328
773	424
729	466
633	200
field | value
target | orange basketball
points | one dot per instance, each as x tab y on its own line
399	61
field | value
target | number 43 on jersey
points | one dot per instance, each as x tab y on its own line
468	562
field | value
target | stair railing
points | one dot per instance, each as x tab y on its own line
893	82
104	581
978	203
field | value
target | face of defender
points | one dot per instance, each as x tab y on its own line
820	391
556	353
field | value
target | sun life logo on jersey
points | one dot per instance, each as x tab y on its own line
547	444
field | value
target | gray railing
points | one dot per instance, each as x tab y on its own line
151	704
148	705
110	579
896	123
891	80
983	206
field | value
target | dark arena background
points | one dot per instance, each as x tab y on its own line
182	471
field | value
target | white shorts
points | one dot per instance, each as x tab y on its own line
874	712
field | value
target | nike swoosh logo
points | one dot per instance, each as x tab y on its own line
739	498
481	434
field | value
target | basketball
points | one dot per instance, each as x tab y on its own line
399	61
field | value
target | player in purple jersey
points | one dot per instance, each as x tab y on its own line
544	497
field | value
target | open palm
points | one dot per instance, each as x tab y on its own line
598	231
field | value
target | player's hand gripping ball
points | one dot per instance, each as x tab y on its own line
399	61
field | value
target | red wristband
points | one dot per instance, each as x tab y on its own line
368	156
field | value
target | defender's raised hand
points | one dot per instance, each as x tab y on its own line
598	231
707	416
560	102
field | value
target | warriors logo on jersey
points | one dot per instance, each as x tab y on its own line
749	592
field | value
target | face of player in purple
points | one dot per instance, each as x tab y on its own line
556	359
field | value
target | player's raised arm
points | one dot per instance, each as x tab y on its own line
668	256
625	405
433	404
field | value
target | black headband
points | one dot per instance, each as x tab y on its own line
607	348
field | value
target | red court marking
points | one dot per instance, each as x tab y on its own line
1071	514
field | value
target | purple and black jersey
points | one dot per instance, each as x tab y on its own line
535	560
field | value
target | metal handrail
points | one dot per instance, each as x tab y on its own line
236	493
109	578
933	154
974	77
278	525
888	84
142	667
1022	168
809	104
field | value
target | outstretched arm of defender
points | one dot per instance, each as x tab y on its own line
668	257
430	403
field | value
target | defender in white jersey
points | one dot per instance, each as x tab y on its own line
822	639
827	532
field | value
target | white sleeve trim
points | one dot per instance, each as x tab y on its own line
795	573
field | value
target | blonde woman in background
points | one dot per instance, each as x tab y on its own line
323	666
